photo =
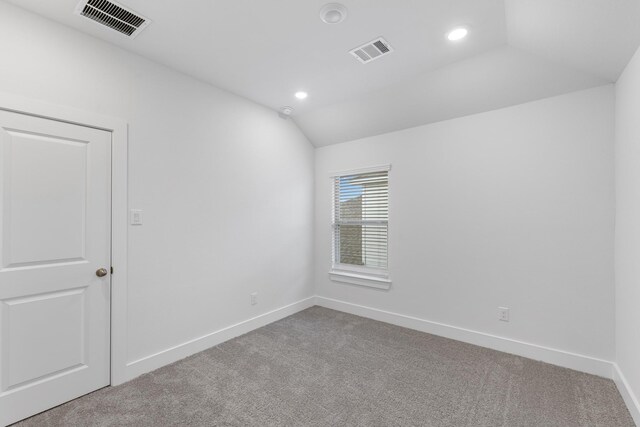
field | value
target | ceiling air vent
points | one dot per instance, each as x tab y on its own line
113	15
373	50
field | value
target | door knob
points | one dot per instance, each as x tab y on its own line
101	272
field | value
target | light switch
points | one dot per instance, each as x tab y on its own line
136	217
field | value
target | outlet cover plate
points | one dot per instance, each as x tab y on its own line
503	314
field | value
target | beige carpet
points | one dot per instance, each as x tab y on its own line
325	368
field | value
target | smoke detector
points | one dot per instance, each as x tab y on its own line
373	50
113	15
285	112
333	13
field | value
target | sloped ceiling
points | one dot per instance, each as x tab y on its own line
517	51
596	36
502	77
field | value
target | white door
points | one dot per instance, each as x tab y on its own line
55	221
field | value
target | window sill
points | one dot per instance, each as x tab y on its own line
360	279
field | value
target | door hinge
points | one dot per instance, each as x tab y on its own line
111	269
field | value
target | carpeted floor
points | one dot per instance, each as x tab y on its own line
325	368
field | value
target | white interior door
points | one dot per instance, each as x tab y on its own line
55	220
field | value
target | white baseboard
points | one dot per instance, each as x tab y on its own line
553	356
627	393
173	354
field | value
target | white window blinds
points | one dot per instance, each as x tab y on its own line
360	220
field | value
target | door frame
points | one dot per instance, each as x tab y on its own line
119	210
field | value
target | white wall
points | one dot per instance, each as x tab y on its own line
513	207
226	186
627	248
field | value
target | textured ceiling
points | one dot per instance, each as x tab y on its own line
517	51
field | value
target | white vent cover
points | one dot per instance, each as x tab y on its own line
373	50
113	15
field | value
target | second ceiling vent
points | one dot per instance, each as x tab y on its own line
113	15
373	50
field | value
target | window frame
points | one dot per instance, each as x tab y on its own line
378	278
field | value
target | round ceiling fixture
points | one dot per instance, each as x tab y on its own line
333	13
301	95
457	34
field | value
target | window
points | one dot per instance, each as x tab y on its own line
360	228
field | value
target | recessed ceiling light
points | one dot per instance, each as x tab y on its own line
333	13
301	95
457	34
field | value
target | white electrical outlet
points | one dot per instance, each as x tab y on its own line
503	314
254	298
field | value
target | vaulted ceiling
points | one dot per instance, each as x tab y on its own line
516	51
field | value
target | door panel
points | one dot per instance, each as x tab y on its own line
55	233
48	324
45	207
